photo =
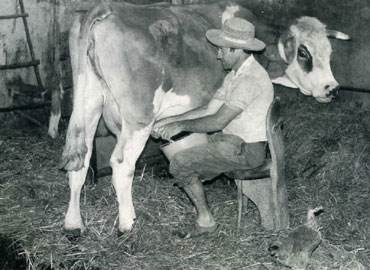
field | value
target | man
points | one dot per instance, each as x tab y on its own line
238	108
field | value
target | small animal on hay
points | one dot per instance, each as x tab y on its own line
136	64
296	249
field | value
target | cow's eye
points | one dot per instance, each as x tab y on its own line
304	58
302	53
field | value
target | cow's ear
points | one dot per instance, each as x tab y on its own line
287	47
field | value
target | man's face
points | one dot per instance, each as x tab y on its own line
227	57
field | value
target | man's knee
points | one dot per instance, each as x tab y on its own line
179	163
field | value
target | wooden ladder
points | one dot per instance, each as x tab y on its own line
33	63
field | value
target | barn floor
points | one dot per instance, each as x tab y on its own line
328	164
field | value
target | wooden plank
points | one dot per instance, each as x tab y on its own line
30	46
30	118
14	16
20	65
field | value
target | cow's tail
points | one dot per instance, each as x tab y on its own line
75	148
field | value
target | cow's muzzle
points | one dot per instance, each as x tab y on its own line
333	92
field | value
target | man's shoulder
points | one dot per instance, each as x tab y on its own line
256	72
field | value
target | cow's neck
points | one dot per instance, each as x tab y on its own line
284	81
277	67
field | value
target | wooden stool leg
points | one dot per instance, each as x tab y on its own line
241	199
239	186
272	208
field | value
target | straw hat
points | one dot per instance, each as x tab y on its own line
236	33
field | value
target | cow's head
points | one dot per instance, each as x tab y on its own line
306	50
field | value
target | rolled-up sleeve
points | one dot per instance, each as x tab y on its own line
243	92
220	94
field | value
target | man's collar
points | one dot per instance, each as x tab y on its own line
247	62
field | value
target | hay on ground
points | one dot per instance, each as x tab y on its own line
327	159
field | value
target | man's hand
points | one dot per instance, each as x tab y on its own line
167	131
164	121
159	124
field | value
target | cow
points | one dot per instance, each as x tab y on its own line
133	65
298	58
301	59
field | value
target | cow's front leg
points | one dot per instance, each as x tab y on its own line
127	151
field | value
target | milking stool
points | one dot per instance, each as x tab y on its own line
265	185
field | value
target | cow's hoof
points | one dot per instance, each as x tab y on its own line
122	233
72	234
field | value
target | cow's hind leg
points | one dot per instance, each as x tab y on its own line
73	223
55	113
129	146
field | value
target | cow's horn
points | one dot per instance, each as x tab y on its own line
337	35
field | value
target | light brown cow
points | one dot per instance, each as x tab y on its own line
133	65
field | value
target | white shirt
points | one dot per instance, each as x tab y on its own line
251	90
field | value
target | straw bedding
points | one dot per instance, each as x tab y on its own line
328	164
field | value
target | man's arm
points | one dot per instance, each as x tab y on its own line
212	107
209	123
